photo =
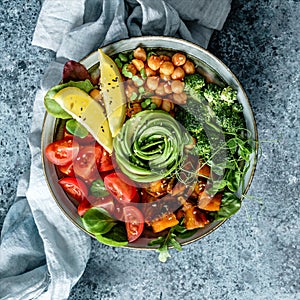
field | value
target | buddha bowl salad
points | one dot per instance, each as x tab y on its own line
147	147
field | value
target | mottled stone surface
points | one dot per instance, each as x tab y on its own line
255	254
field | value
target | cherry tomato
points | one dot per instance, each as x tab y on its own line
134	222
62	152
89	139
74	187
83	207
105	162
121	187
67	134
67	169
85	164
106	202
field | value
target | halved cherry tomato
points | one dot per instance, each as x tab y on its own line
85	164
121	187
106	203
89	139
105	162
83	207
62	152
74	187
134	222
67	169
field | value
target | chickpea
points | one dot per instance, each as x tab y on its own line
180	98
168	88
152	82
178	59
164	58
96	95
160	90
130	89
189	67
167	105
165	77
167	68
149	72
140	53
177	86
154	62
132	69
178	73
138	64
156	100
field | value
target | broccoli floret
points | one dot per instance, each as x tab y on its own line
230	118
193	84
212	93
228	95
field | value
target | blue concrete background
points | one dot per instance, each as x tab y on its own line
255	254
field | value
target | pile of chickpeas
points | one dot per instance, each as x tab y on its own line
163	79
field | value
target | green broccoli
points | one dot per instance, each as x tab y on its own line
229	95
212	93
193	84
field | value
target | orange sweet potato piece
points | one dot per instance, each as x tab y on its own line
208	202
166	221
194	218
204	171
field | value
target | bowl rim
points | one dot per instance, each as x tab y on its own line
142	39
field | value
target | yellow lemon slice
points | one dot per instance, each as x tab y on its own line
90	114
113	93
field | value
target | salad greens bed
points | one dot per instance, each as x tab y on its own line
176	163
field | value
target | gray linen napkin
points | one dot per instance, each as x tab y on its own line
42	254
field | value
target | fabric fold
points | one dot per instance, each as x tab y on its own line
42	253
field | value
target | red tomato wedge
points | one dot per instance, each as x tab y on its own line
106	203
105	162
74	187
83	207
85	164
134	222
121	187
67	169
62	152
89	139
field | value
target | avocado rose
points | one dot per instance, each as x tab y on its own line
150	146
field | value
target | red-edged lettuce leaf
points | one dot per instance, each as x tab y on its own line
75	71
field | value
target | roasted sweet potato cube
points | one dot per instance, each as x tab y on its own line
194	218
204	171
166	221
208	202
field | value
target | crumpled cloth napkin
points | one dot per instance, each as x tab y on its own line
42	254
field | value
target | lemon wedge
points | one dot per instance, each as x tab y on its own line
90	114
113	93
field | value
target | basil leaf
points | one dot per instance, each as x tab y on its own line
233	178
76	128
97	221
116	237
98	189
53	107
230	205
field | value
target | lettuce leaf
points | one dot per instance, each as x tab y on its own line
53	107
